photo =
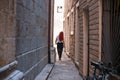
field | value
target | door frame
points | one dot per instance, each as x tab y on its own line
85	41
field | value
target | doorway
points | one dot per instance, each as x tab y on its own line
77	37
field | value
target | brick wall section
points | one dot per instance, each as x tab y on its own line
31	36
93	8
69	26
80	42
74	24
72	37
93	31
82	4
68	5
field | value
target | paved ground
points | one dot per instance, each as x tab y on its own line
64	70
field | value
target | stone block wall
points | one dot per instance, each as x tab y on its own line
31	36
24	35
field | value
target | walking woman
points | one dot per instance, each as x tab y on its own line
59	41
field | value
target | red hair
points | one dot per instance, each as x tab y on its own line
61	37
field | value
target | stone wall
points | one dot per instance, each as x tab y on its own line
24	35
31	36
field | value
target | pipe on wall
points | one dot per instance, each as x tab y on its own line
6	67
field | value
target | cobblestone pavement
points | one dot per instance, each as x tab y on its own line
64	70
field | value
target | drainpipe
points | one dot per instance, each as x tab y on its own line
88	50
6	67
88	56
49	30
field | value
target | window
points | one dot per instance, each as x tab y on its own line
59	9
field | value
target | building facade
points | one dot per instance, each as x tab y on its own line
88	27
26	29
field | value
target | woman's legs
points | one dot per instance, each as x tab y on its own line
60	49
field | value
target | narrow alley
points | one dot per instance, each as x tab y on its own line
34	32
64	70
